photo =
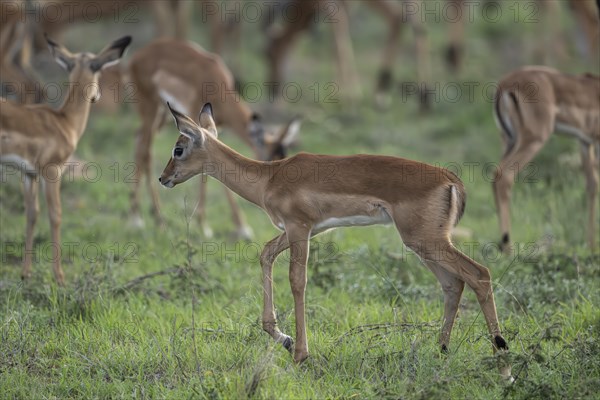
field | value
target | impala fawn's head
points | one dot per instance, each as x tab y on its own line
85	68
190	154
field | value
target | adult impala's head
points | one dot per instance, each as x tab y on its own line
190	154
271	144
85	68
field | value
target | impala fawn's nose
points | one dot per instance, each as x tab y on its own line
160	179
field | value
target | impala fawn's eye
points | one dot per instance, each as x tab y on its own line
177	152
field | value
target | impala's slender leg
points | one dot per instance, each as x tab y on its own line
510	166
242	230
456	31
149	111
453	289
280	43
394	21
152	191
590	167
344	52
201	210
32	208
52	189
268	256
298	238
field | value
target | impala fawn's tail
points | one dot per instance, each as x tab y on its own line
457	199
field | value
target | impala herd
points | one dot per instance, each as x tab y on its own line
423	202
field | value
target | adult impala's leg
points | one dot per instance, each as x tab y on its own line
152	191
30	190
298	238
456	31
510	166
281	41
590	167
52	189
268	256
148	112
242	230
393	18
201	209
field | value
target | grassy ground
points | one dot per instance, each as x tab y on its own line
193	329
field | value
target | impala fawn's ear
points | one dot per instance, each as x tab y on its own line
289	134
111	54
186	126
63	57
206	120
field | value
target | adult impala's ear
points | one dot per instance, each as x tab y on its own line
186	126
63	57
111	54
206	120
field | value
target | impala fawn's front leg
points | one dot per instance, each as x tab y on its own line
32	208
52	189
590	167
298	238
267	257
509	168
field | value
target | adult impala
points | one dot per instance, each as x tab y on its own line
307	194
188	76
531	103
38	139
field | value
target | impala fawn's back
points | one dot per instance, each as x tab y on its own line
531	103
307	194
187	76
38	140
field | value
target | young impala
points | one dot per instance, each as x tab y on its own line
531	103
307	194
38	140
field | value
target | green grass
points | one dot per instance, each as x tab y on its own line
374	312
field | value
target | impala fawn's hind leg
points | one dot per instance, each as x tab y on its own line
590	167
453	289
267	257
32	209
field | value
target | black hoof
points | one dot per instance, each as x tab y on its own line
444	349
288	343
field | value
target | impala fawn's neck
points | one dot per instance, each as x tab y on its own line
76	105
248	178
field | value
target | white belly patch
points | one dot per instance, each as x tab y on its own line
353	220
21	163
